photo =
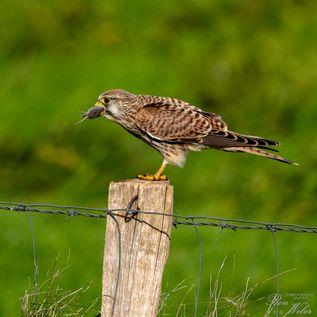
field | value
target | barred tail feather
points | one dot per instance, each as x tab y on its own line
228	139
256	151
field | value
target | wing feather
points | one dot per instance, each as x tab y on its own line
223	139
178	123
173	120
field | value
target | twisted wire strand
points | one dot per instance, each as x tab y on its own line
182	220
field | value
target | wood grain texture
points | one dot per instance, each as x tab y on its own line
145	241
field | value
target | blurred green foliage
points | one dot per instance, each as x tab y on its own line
254	62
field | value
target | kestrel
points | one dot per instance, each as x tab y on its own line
173	127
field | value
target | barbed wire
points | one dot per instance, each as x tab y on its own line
178	220
182	220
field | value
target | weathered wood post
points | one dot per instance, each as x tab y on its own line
133	289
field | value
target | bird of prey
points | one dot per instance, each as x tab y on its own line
173	127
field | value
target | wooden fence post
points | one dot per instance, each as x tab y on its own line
133	289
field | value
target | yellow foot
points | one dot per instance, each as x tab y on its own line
152	177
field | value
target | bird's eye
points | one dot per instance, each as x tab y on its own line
105	100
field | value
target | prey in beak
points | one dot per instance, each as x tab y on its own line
92	113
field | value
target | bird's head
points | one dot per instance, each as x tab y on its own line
112	104
115	103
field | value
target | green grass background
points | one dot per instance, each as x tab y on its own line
254	62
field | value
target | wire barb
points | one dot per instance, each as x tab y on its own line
130	213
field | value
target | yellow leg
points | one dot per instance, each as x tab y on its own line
157	176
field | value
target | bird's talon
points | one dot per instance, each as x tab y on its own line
152	177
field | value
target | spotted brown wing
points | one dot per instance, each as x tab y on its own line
175	123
